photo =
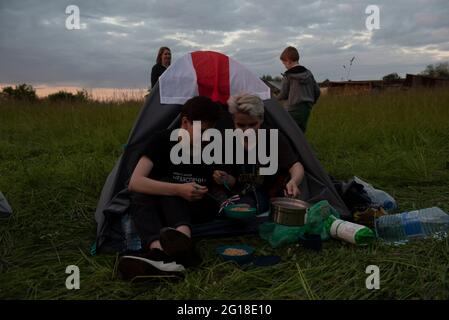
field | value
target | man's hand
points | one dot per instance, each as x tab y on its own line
291	190
191	191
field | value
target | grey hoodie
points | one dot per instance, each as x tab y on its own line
299	85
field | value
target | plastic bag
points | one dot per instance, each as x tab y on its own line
316	218
279	235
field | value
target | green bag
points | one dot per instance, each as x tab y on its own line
279	235
316	218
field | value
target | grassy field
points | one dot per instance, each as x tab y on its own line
54	160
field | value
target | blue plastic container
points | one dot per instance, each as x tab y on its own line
240	259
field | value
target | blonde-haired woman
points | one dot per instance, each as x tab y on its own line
247	112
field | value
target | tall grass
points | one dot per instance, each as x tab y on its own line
54	160
395	138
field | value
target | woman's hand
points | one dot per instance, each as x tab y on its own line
191	191
291	190
220	176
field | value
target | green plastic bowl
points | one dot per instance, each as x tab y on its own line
240	211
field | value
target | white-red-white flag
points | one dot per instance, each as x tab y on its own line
211	74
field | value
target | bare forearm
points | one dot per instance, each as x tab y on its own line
153	187
297	173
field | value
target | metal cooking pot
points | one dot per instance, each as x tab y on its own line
288	211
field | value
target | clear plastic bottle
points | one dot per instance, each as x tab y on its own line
416	224
383	199
132	238
377	196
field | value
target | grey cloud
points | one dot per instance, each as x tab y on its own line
36	47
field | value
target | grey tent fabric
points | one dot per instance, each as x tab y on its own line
5	208
114	200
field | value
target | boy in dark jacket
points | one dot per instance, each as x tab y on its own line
298	87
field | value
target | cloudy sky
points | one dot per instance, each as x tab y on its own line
118	40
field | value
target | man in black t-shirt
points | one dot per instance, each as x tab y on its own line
166	197
158	150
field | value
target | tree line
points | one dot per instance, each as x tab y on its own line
27	92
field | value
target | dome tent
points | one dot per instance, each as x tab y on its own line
217	76
5	208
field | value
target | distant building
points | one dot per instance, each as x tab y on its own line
362	86
275	86
350	87
417	81
366	86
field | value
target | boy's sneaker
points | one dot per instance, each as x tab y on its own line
175	243
179	246
153	262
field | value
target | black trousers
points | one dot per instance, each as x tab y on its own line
152	213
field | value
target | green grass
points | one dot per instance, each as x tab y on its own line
54	160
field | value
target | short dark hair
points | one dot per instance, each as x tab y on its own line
159	54
201	108
290	53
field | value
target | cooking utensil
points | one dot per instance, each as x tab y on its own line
289	211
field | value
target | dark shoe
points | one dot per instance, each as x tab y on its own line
158	255
150	254
191	260
154	262
175	243
179	246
